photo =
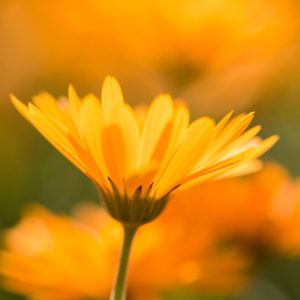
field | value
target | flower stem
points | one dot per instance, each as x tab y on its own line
119	291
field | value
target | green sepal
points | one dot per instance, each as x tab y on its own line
138	209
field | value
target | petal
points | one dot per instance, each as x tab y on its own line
162	144
21	107
265	146
236	159
142	178
233	129
49	106
180	122
112	101
91	126
190	151
223	122
57	138
68	145
187	184
216	171
159	114
247	167
114	153
177	129
131	133
240	144
75	105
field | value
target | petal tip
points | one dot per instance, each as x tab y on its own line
230	113
19	105
14	99
71	89
274	138
109	79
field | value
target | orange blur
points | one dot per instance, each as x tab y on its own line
208	243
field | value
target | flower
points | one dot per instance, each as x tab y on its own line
260	214
134	166
222	54
219	54
48	256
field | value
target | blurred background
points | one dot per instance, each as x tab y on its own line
216	55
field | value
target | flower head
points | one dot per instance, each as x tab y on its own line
259	213
136	165
48	256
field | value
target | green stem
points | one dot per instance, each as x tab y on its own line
119	291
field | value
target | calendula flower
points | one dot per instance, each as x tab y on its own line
136	165
48	256
218	54
260	214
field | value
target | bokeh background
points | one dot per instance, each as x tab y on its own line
217	55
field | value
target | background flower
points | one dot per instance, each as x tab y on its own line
201	246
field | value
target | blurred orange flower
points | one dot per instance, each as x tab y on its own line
207	50
51	257
55	257
260	213
47	256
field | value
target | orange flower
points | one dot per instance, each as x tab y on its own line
51	257
260	213
55	257
46	256
137	167
170	44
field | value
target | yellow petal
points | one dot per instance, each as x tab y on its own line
112	101
91	126
49	106
187	184
236	128
68	145
74	103
55	137
143	178
114	153
131	133
178	126
223	122
265	146
159	114
233	129
180	122
245	168
216	171
190	151
162	144
21	107
240	144
236	159
93	171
